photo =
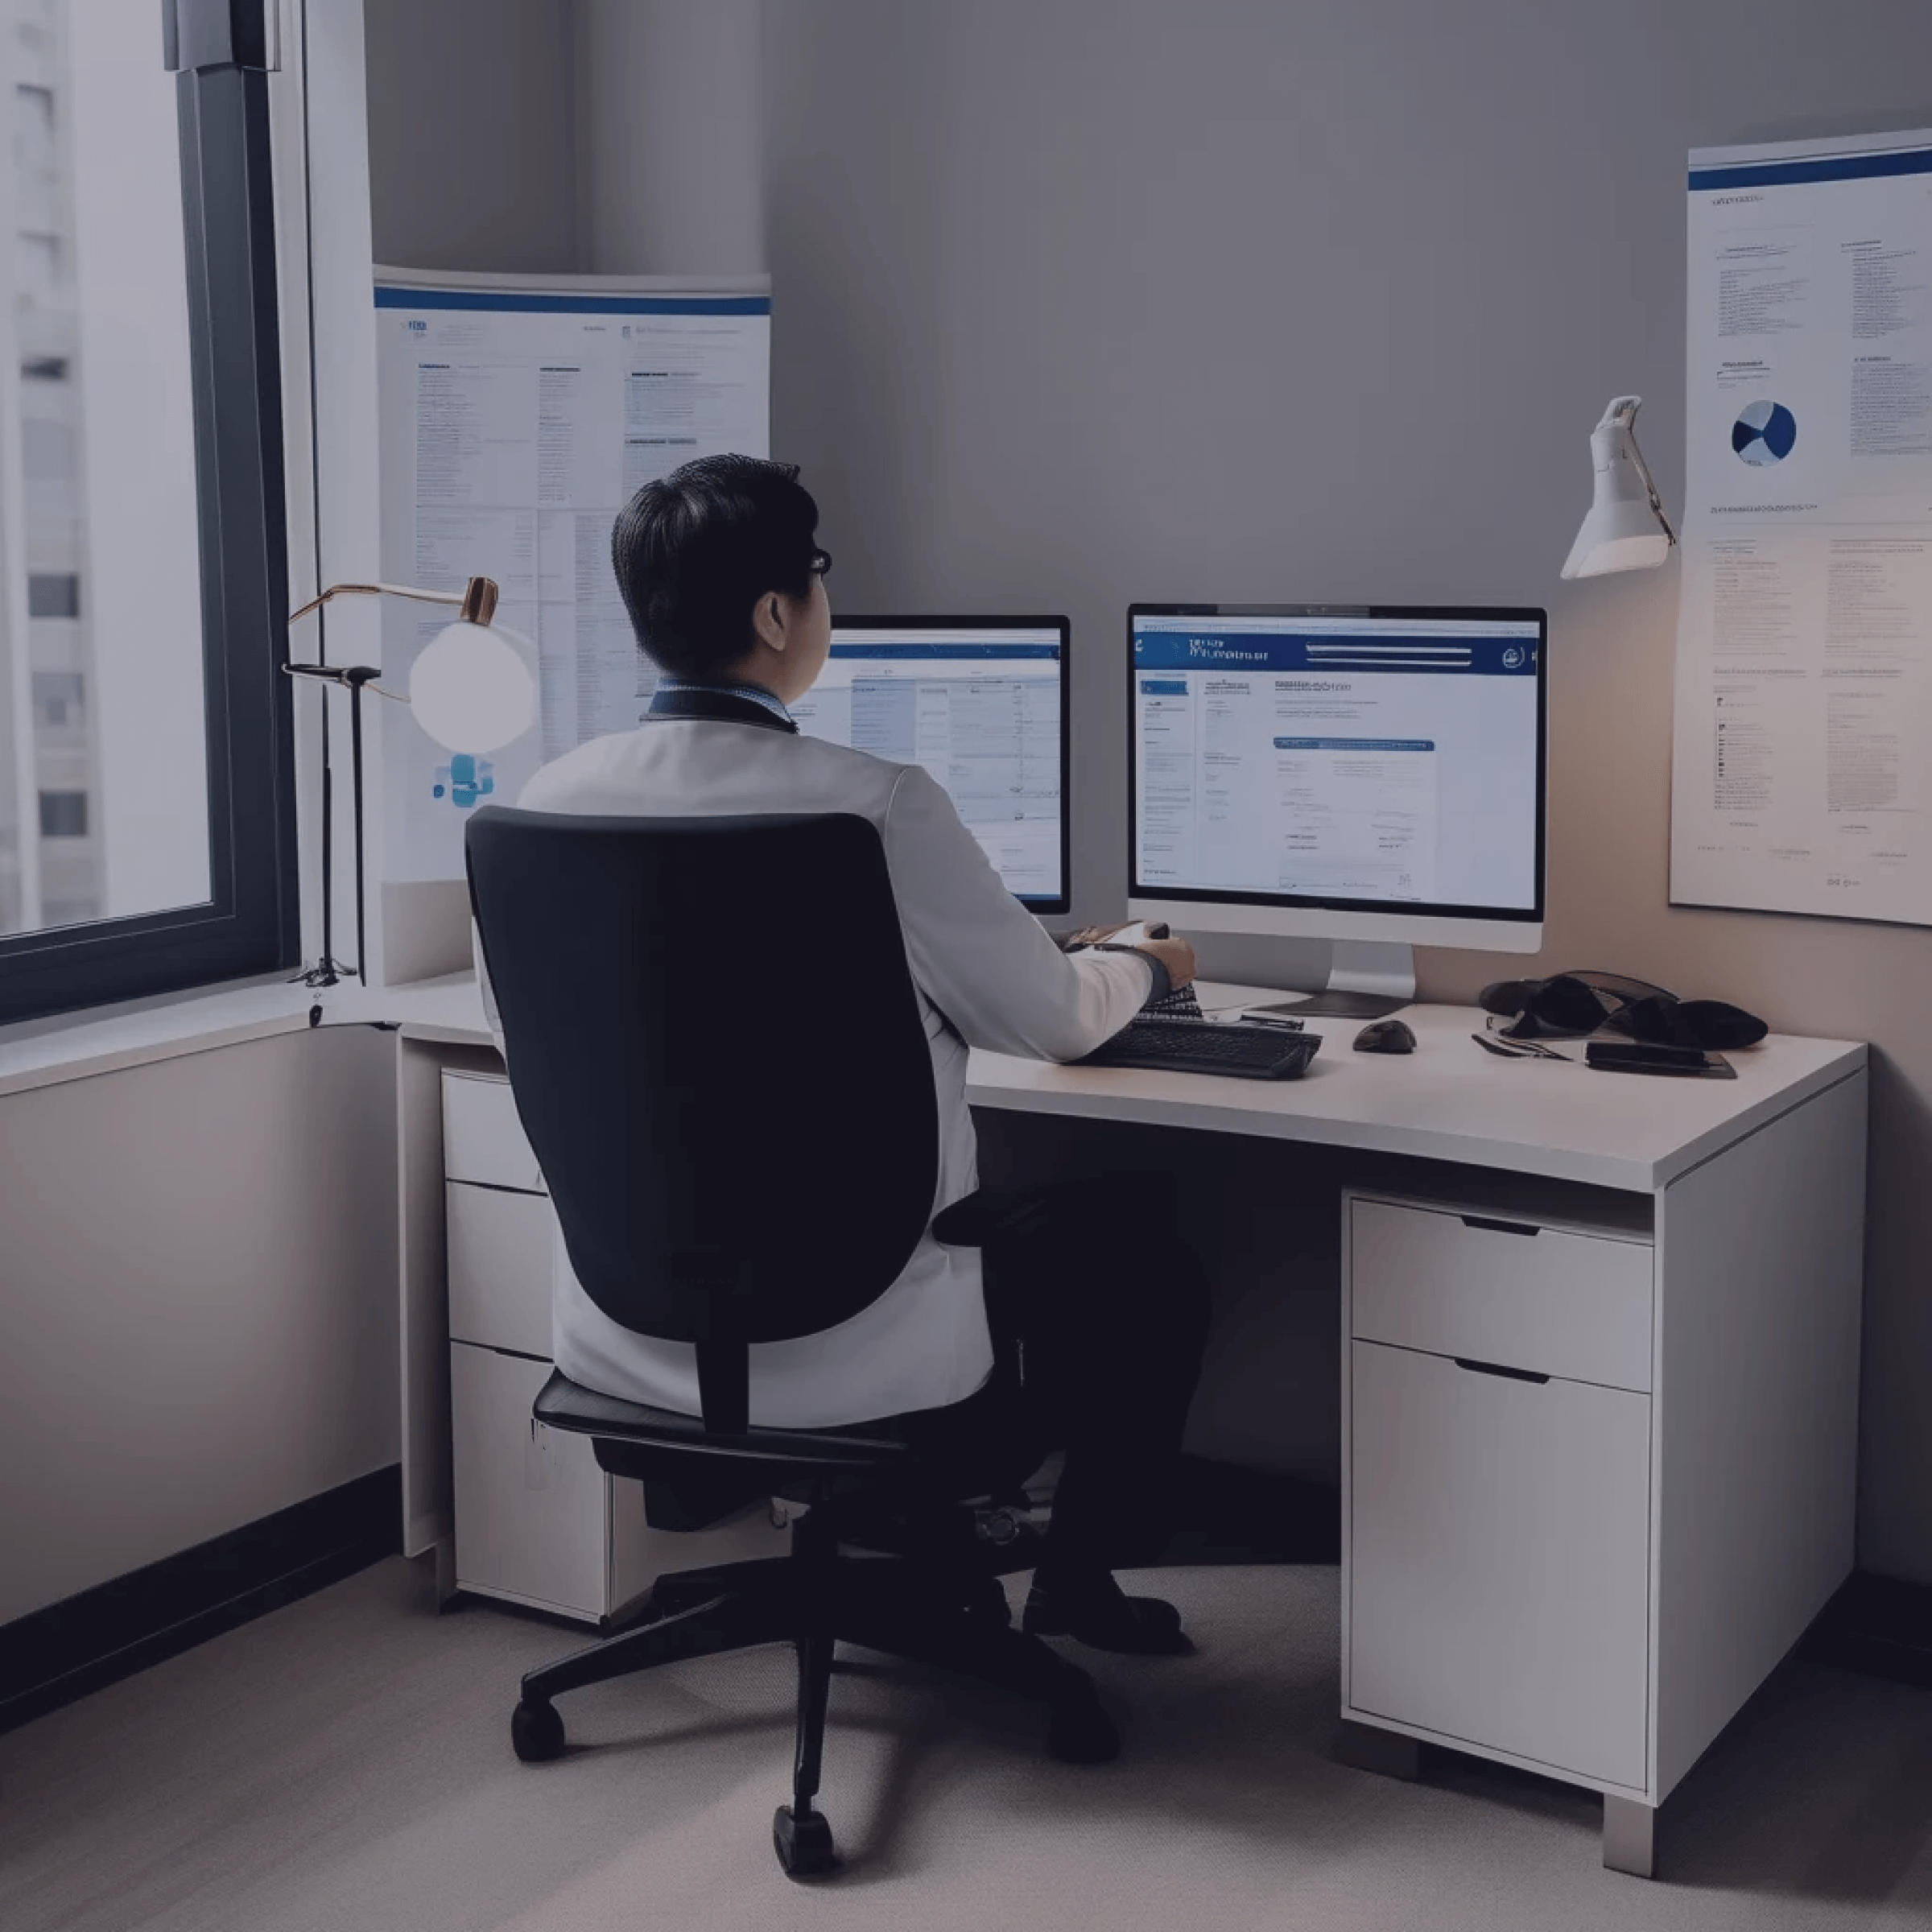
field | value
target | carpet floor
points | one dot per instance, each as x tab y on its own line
345	1763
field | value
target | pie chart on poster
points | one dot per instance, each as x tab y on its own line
1765	433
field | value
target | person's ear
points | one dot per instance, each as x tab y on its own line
768	621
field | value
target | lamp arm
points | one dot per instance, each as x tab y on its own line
351	677
476	600
1619	413
1656	502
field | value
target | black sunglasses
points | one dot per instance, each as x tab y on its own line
821	563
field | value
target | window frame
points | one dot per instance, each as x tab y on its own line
219	51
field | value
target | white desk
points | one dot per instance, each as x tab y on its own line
1738	1204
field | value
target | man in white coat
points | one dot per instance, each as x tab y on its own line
1097	1313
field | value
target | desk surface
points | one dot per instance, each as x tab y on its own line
1449	1100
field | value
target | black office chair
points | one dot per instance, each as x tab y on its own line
716	1051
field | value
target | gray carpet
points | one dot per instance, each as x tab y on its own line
345	1763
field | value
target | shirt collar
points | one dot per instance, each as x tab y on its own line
756	694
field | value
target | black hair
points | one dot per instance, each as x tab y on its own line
694	551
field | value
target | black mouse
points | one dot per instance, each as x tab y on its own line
1385	1036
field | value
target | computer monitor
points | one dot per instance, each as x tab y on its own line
981	703
1371	774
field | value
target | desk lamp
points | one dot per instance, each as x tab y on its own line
470	689
1626	528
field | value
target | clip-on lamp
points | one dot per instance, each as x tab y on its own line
470	689
1626	528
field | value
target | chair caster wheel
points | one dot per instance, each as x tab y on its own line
804	1845
1079	1731
536	1732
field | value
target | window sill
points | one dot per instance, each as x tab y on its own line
43	1053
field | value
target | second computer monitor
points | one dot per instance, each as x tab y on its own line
1371	774
981	703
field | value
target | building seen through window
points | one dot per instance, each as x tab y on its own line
102	765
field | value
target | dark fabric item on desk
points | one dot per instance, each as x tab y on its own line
1567	1005
1712	1024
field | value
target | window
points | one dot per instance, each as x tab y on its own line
51	593
59	703
147	814
64	814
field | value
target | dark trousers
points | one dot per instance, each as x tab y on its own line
1099	1315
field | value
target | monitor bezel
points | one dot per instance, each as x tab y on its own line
1040	907
1427	922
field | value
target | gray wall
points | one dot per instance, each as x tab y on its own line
671	175
1088	301
472	154
1082	301
199	1323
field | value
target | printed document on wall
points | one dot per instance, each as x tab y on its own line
1802	766
517	420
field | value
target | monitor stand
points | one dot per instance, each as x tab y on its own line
1368	980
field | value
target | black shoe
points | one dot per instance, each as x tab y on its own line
1133	1626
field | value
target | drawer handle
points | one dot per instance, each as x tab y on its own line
1513	1375
1480	1220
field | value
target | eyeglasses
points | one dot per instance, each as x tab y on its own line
821	563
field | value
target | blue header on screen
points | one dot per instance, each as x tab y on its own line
890	652
1491	657
1354	744
1820	168
573	305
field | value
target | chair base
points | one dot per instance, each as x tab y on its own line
951	1614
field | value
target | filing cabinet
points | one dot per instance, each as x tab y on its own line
536	1521
1497	1485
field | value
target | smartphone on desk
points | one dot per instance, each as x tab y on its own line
1648	1056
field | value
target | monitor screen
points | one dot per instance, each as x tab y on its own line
1361	760
981	703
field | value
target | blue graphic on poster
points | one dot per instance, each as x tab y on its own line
1765	433
464	780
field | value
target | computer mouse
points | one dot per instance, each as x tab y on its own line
1385	1036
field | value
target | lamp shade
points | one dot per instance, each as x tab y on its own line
471	689
1626	528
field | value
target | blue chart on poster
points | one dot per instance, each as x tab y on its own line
1765	433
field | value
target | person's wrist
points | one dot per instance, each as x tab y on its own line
1163	980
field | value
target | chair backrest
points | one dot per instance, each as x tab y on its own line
716	1051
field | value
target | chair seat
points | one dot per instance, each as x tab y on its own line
568	1406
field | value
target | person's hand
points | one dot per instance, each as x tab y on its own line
1176	955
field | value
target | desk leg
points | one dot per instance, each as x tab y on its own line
1369	1748
1629	1836
444	1556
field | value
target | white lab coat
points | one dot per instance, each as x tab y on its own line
987	975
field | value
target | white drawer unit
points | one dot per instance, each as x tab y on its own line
1498	1569
1497	1486
1501	1291
500	1262
483	1141
536	1521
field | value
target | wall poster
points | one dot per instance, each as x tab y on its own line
1801	774
518	416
